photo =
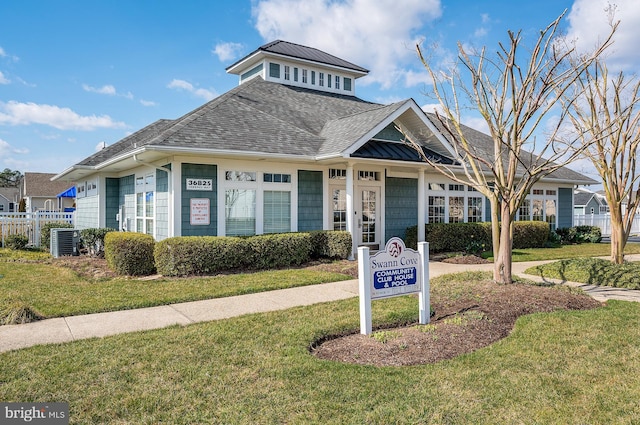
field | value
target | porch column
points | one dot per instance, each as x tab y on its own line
422	205
175	199
350	211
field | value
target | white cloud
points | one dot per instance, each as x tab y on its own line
227	51
3	79
187	86
2	53
23	151
5	147
147	102
17	113
589	24
360	31
433	108
108	90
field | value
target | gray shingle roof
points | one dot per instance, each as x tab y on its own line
40	184
272	118
298	51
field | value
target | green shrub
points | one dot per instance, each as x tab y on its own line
330	244
278	250
451	237
129	253
17	242
579	234
530	234
45	232
93	240
199	255
467	237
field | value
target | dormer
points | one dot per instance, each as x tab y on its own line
295	65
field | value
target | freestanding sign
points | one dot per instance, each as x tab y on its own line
397	270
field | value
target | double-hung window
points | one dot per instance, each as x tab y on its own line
145	203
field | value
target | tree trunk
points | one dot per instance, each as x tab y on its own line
502	261
618	236
495	236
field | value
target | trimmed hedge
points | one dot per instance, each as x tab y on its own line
330	244
456	237
201	255
130	253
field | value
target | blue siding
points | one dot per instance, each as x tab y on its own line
127	187
112	193
204	172
401	205
565	208
309	200
162	181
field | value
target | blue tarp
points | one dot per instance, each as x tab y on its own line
69	193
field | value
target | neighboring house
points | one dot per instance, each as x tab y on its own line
587	202
9	199
41	193
291	149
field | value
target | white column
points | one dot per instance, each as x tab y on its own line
422	205
351	213
175	199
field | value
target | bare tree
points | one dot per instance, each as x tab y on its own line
513	91
607	117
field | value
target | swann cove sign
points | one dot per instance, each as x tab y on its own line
397	270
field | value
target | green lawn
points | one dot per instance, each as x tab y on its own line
563	367
55	291
567	251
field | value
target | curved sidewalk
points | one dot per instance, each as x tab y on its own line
71	328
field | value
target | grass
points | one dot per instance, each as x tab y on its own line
566	251
594	271
563	367
55	291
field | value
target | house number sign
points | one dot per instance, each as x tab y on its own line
200	184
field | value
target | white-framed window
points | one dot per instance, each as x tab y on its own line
287	72
542	206
337	173
92	187
295	73
436	210
313	78
347	84
604	209
369	175
274	70
321	79
453	203
145	203
304	76
524	212
81	190
339	200
1	207
329	80
337	82
257	202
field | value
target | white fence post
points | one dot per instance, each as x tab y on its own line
29	224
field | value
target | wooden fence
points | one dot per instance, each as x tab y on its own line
29	224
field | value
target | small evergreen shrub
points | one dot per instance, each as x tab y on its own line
471	237
17	242
579	234
278	250
199	255
334	244
530	234
93	240
129	253
451	237
45	232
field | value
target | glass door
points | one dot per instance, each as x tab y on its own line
368	222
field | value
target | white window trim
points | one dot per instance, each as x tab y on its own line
447	193
144	188
259	186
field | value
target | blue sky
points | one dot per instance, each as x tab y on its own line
74	74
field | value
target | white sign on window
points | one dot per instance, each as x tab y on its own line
200	184
200	215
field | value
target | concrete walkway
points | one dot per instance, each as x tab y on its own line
65	329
